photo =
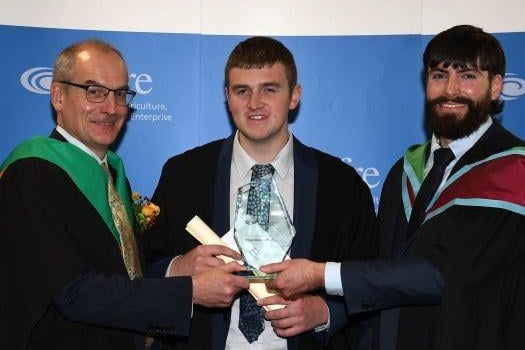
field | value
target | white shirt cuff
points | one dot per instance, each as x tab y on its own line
332	279
167	274
325	326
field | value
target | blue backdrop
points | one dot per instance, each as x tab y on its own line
362	95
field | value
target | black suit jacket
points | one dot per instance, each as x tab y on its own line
63	282
437	294
333	217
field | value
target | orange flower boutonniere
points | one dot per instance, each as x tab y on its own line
145	211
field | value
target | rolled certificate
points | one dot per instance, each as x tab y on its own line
205	235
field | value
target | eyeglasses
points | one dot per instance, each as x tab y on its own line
98	93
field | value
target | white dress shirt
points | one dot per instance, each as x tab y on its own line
240	175
72	140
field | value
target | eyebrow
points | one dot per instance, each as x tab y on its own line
94	82
265	84
271	83
459	69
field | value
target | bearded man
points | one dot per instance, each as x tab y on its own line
451	218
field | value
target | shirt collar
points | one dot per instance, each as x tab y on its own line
243	162
74	141
460	146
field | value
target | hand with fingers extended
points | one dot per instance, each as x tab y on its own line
301	314
201	258
295	276
217	287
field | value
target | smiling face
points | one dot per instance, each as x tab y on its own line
259	100
96	125
458	99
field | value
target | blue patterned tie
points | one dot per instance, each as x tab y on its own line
251	322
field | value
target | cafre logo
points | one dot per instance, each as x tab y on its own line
37	80
513	87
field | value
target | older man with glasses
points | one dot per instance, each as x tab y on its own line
71	275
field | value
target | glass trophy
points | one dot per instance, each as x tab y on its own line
263	230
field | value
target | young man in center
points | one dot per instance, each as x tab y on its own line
330	205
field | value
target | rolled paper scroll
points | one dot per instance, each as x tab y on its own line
205	235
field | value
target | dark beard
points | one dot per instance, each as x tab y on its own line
451	126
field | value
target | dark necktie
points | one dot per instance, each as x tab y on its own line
251	321
442	158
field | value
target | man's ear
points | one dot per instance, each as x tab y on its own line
496	85
227	96
296	97
57	95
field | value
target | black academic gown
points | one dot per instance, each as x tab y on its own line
63	283
333	216
467	290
